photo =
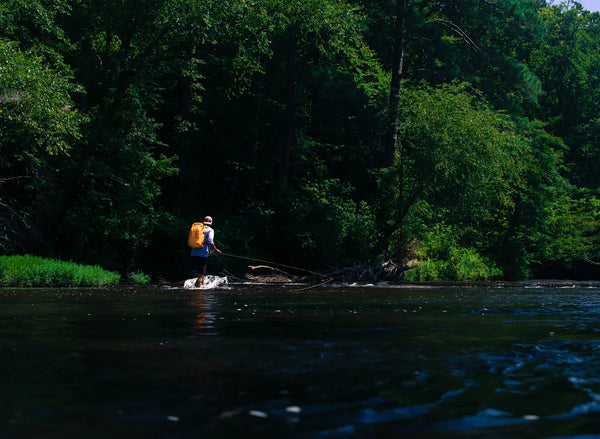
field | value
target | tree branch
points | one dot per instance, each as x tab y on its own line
5	179
456	29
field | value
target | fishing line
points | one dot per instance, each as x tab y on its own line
327	278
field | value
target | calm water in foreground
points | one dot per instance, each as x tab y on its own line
502	361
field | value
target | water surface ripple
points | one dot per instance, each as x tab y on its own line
450	361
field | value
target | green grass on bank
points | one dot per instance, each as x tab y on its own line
35	271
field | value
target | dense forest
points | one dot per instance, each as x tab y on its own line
462	136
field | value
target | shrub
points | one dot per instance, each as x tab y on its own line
467	264
35	271
427	270
139	277
441	257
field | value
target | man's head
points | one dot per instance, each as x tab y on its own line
207	220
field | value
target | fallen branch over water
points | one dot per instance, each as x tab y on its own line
276	275
386	272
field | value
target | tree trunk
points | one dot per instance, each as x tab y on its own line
391	141
187	82
289	128
187	147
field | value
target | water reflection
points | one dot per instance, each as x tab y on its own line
204	305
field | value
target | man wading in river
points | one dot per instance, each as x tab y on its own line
201	240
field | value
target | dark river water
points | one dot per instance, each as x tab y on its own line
495	361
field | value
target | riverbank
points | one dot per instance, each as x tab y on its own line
35	271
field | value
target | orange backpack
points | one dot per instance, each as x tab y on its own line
196	237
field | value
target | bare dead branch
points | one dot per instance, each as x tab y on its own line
5	179
457	29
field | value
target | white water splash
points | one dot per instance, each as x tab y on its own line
210	283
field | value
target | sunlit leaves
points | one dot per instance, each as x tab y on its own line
36	112
459	154
569	63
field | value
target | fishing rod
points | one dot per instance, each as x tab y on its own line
326	281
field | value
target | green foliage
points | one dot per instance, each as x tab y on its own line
123	121
568	62
36	114
481	42
34	271
121	59
332	228
38	128
441	257
428	270
139	277
495	180
458	153
467	264
521	243
574	228
34	25
460	164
